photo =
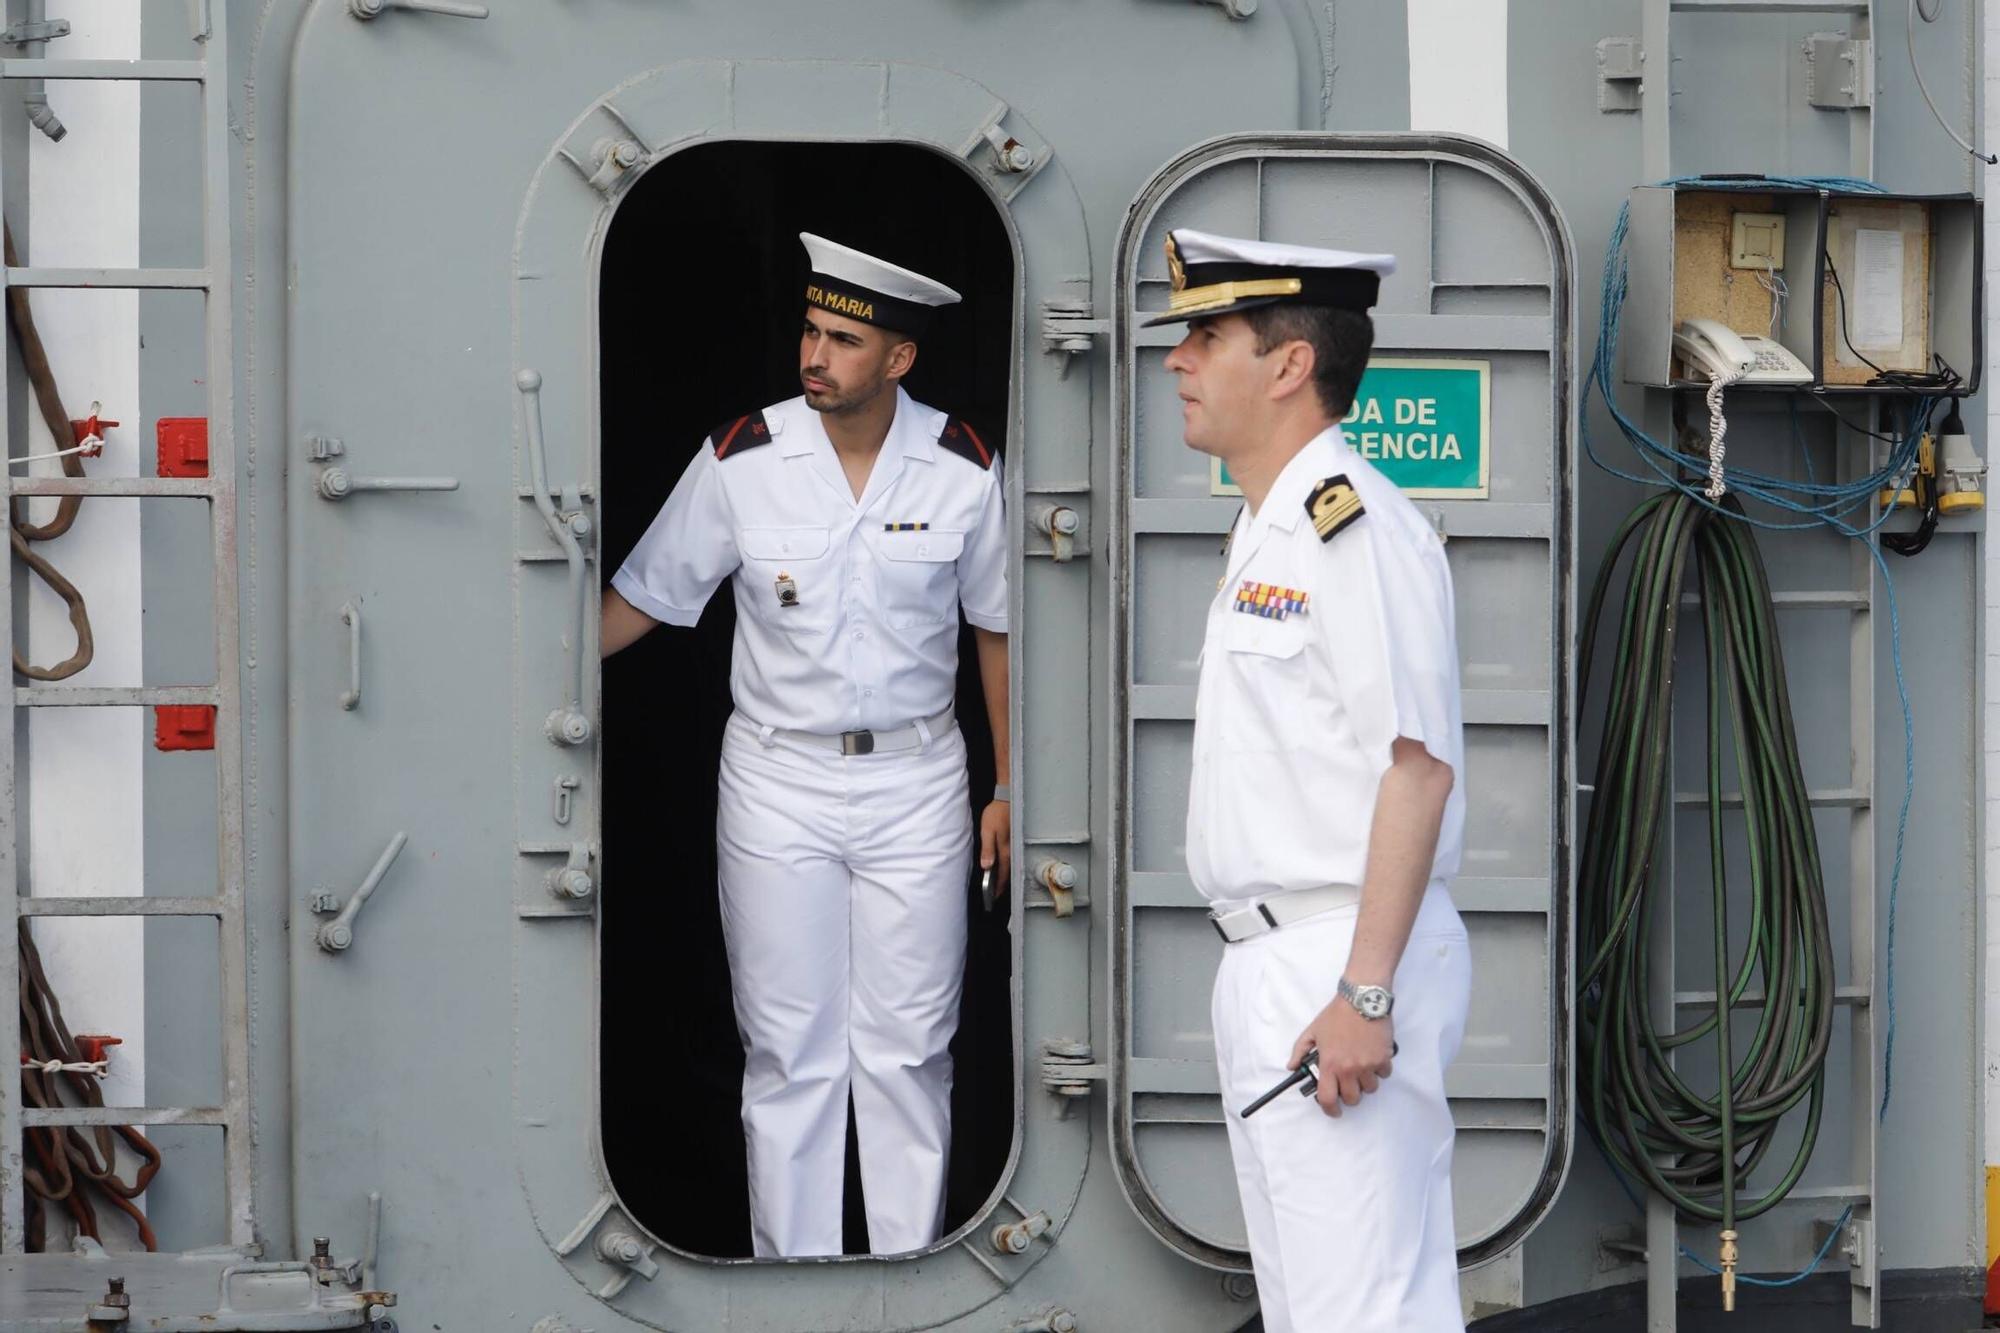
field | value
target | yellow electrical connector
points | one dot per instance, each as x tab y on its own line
1906	498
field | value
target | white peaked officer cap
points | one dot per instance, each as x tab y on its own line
872	290
1219	275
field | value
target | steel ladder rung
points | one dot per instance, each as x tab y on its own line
122	906
111	279
1855	996
171	71
137	696
87	1117
1820	798
148	488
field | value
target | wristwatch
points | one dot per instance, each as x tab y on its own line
1371	1002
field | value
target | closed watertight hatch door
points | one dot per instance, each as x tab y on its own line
1469	404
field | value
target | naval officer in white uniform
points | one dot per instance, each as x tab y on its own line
856	523
1326	808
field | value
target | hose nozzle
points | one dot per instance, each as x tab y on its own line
1729	1271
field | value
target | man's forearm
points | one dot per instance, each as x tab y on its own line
993	684
620	624
1402	843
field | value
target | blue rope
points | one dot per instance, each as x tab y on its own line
1804	504
1826	1246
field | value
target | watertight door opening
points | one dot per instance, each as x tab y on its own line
701	285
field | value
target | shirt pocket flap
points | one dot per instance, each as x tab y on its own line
932	547
1265	637
783	543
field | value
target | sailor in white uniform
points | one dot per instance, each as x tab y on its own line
1326	809
856	523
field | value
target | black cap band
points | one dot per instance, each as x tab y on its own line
870	307
1342	288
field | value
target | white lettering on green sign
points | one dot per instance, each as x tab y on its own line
1424	423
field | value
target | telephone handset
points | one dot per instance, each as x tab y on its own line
1713	349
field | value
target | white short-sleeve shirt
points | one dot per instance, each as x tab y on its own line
1318	654
846	610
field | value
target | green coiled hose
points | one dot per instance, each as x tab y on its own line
1698	1150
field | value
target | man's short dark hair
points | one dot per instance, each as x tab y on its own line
1340	339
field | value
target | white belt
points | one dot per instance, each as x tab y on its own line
913	737
1282	909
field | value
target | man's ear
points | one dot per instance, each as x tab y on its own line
901	357
1292	369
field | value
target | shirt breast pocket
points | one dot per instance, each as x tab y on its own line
1268	690
920	576
788	573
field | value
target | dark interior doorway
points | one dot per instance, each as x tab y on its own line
699	316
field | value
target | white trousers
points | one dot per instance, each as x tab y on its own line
1349	1218
843	882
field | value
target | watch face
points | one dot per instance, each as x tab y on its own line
1372	1001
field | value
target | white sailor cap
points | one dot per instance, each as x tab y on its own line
1219	275
872	290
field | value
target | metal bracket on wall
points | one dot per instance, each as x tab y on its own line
572	879
569	724
1621	72
605	150
1063	527
1068	1072
1008	160
350	616
618	1244
1840	72
1068	328
337	935
368	9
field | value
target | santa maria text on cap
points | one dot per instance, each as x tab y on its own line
855	525
1326	804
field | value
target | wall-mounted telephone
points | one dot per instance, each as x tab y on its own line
1713	349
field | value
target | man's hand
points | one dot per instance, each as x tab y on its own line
996	823
1354	1054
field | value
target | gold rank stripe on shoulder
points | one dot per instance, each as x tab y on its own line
1333	505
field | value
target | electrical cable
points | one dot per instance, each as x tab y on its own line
35	360
1910	44
1696	1149
63	1158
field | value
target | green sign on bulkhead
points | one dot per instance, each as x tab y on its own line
1425	423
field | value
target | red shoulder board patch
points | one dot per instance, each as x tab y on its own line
742	433
959	437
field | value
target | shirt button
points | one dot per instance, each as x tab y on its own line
861	634
868	694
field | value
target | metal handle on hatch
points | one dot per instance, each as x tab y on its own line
337	934
368	9
350	616
568	725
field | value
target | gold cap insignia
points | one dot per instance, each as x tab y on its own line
1175	269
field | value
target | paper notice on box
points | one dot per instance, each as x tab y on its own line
1875	298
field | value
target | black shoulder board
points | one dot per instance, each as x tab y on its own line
1333	505
959	437
733	437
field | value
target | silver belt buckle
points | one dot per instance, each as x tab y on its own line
1263	911
857	742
